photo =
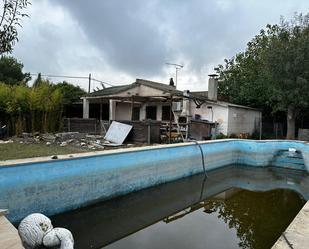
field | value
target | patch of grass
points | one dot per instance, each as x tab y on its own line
17	150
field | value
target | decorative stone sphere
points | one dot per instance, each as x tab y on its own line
36	230
60	238
33	228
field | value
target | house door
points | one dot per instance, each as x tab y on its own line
151	112
135	113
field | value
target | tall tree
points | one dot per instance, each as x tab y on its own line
70	92
273	71
12	13
11	71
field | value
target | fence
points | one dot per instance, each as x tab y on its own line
83	125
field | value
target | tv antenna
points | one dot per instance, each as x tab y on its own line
177	67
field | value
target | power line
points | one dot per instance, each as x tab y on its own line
60	76
72	77
103	82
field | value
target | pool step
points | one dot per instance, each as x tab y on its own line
284	159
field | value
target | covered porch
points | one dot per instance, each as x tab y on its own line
135	108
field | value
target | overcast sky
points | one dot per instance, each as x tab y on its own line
118	41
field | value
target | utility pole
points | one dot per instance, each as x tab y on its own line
89	83
177	67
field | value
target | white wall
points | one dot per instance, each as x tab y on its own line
220	115
142	112
123	111
243	120
231	120
85	108
159	106
141	91
112	109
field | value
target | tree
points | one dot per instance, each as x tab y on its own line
45	105
38	80
37	108
12	13
273	71
70	93
11	71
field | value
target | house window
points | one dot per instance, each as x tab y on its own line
135	113
166	112
105	112
95	111
151	112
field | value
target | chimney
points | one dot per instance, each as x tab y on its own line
213	87
172	82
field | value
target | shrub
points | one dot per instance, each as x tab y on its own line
37	108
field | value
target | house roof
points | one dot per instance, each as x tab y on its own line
159	86
204	96
201	95
242	106
118	89
110	91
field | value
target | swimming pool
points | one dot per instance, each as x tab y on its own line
73	181
234	207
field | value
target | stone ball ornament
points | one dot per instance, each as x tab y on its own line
36	231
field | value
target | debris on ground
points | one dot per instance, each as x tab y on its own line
63	144
6	142
72	139
118	132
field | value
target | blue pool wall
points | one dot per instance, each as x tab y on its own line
55	186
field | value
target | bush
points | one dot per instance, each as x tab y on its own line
221	136
233	135
30	109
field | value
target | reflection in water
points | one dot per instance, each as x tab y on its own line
258	217
189	213
245	220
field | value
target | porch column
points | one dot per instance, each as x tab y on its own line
112	109
159	112
85	108
142	112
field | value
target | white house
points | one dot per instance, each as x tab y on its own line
231	118
145	99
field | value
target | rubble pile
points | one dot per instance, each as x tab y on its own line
76	139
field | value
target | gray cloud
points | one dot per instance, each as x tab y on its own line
128	39
122	33
138	36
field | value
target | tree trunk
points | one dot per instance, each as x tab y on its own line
291	123
32	121
45	124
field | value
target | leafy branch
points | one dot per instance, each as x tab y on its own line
12	14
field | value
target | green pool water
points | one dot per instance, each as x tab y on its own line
235	207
